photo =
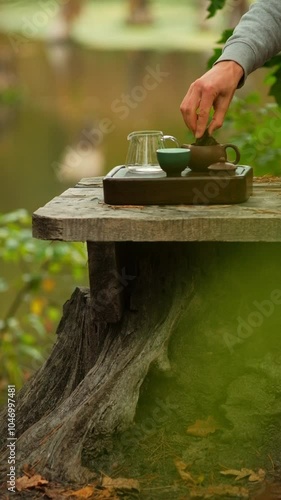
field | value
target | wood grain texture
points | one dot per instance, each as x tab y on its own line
80	214
106	284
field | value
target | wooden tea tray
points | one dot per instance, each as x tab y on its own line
122	187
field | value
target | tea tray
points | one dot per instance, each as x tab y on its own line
123	187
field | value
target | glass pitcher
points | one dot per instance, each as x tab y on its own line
141	156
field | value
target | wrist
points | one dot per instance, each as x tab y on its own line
233	69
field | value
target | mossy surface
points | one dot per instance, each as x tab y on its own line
238	385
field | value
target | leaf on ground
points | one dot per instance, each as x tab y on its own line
203	428
85	492
28	470
223	491
120	483
259	476
241	474
25	482
184	474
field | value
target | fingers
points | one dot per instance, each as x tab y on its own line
196	106
221	106
189	107
214	89
205	107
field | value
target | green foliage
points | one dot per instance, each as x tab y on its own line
217	51
214	6
255	129
10	96
275	90
34	277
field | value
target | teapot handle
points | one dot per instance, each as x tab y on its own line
172	138
232	146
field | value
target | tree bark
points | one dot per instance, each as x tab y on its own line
90	383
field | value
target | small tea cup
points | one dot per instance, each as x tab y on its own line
173	160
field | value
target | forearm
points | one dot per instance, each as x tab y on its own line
256	38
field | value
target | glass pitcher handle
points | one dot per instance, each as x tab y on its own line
172	138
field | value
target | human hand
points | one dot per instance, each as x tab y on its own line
215	89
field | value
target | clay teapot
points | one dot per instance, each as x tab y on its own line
203	156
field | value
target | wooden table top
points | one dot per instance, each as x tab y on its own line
80	214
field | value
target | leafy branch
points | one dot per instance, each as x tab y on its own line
214	6
42	272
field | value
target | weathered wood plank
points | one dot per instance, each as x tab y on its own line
80	214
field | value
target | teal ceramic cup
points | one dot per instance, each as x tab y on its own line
173	160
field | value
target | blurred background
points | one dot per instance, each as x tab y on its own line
72	84
76	77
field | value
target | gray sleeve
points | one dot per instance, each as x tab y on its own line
256	38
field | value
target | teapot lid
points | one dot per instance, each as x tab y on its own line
222	165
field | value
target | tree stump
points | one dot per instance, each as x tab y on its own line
91	381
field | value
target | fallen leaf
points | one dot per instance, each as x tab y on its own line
28	470
25	482
219	491
120	483
203	428
257	477
184	474
85	492
241	474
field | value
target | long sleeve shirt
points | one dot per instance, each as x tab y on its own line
256	38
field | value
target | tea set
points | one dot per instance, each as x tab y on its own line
148	154
198	173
